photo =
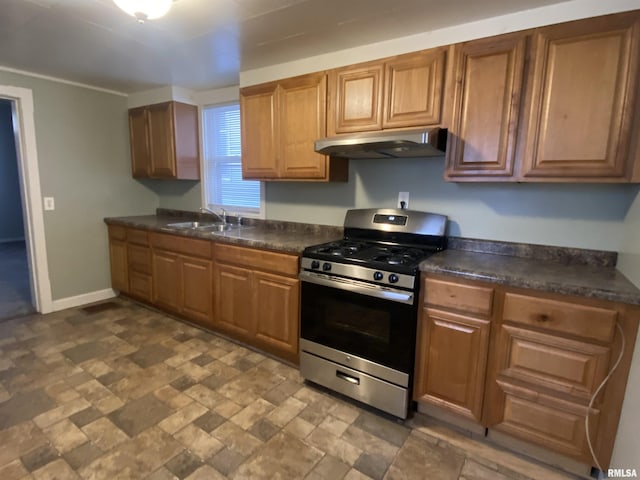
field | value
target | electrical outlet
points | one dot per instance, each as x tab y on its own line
403	197
49	203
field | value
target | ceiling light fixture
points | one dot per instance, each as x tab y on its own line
144	9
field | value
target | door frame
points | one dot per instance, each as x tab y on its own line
29	176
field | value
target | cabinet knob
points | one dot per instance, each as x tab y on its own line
543	317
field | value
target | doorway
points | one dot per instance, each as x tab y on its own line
30	254
15	292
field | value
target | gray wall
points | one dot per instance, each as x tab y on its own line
83	156
11	226
584	216
587	216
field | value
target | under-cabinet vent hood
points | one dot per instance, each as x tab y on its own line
386	144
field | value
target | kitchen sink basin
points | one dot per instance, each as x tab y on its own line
211	227
192	225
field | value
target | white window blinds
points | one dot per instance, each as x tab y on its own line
224	186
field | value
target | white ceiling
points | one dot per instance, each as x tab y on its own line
202	44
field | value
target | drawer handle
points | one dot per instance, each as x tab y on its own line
543	317
347	378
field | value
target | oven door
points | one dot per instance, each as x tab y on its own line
360	319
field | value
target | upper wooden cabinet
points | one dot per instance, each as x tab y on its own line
164	141
569	117
580	107
488	89
402	91
280	121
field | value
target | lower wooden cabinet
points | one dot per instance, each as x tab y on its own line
453	343
233	310
182	281
118	260
249	294
525	363
257	298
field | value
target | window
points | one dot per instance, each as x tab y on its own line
223	184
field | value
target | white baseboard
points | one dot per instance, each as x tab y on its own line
85	298
10	240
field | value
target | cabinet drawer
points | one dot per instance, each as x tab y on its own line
561	364
139	259
139	237
570	318
117	232
457	296
140	286
283	263
550	422
187	246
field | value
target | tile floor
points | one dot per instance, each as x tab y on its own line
15	293
118	391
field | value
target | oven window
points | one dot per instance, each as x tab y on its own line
378	330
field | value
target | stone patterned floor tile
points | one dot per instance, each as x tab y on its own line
127	392
24	406
184	464
104	434
56	470
39	457
205	472
263	429
13	471
65	436
198	441
82	455
284	456
139	415
83	417
331	468
209	421
226	461
372	466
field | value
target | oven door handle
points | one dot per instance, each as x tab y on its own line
357	287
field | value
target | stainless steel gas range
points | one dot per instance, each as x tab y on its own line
359	305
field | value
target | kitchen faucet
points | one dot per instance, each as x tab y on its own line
222	217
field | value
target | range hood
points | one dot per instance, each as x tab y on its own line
386	144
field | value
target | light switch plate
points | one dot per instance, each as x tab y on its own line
49	203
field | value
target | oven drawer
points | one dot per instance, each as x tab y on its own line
357	385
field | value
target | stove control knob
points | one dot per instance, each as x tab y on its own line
377	276
315	264
326	266
393	278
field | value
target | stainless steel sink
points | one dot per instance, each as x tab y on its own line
191	225
211	227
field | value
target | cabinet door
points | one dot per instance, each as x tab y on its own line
413	89
139	139
259	131
278	303
167	280
451	362
302	112
356	98
585	78
140	286
234	301
197	289
119	267
489	79
161	140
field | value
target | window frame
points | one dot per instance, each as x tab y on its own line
231	210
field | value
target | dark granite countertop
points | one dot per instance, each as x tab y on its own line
581	279
267	234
